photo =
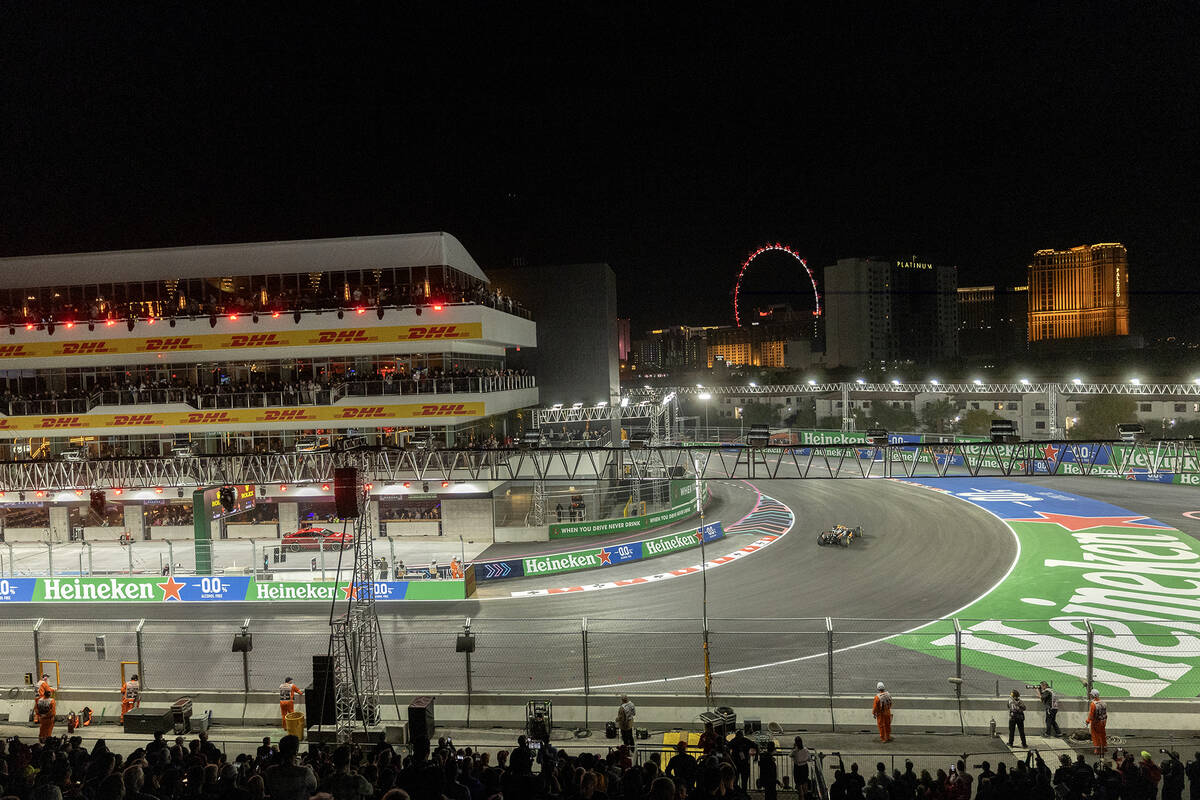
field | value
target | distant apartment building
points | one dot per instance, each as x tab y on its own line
1079	293
992	321
623	340
676	347
888	312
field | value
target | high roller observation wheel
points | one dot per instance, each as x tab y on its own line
767	248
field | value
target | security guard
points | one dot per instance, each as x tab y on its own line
131	695
287	695
44	708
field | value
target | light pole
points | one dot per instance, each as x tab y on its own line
703	585
705	397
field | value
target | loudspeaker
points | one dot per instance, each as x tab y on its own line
750	726
675	472
420	718
319	706
345	491
243	643
149	721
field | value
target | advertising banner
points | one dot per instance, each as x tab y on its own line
238	416
619	553
201	589
242	341
683	505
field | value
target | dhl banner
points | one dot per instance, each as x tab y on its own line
243	341
241	416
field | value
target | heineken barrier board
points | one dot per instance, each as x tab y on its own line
1136	579
681	509
598	556
195	589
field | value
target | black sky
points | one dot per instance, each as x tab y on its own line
665	143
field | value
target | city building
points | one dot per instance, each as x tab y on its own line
674	348
623	340
879	313
992	322
1079	293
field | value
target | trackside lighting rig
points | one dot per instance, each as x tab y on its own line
1004	431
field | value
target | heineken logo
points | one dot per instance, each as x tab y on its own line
92	589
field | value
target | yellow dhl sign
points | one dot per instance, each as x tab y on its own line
244	341
241	416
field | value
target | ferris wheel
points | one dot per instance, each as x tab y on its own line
767	248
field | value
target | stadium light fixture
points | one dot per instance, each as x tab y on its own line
859	381
625	400
1136	381
1077	381
977	382
556	406
1197	381
934	381
812	382
1024	381
602	404
576	405
753	385
705	396
895	381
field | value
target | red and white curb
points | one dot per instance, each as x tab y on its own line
774	515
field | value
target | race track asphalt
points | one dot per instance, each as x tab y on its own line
923	556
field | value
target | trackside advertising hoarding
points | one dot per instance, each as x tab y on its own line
592	558
683	506
214	589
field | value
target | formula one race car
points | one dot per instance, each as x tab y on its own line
840	534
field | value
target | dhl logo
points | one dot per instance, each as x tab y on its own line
171	343
363	413
442	410
437	332
134	419
255	340
84	348
6	424
207	418
343	337
285	415
12	351
61	422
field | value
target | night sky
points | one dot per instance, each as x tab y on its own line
667	144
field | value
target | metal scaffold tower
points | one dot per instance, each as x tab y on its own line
355	634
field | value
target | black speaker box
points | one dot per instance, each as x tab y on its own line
319	706
420	718
149	721
345	491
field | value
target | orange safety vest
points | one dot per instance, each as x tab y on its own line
287	691
130	690
455	569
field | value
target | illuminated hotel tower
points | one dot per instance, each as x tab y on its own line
1078	293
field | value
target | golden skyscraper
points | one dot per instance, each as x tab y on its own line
1078	293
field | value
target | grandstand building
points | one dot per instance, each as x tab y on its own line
294	346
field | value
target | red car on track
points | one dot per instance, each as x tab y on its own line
315	538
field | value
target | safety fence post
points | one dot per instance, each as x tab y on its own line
321	550
587	685
829	663
91	565
246	658
141	667
50	558
958	678
10	559
1091	652
129	552
170	557
37	653
467	653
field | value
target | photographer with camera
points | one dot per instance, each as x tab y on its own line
1050	706
1016	717
1192	770
1172	775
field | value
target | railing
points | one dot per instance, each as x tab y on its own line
292	396
827	668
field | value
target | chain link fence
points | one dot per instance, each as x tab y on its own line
784	657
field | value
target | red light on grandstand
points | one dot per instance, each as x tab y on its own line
407	484
41	494
78	492
28	326
158	490
110	322
70	324
274	315
233	317
370	486
437	306
117	491
360	310
283	487
324	487
445	484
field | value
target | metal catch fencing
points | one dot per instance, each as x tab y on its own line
602	657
